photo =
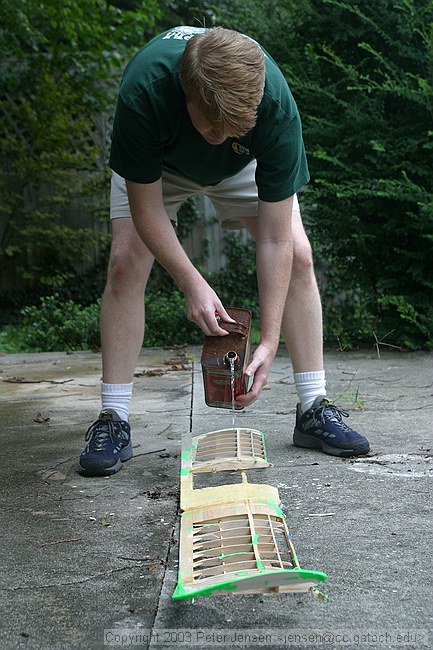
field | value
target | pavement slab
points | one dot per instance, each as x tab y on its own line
92	562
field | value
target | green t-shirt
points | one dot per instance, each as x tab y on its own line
152	127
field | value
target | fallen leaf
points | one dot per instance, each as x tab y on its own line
41	418
155	372
154	493
178	366
179	362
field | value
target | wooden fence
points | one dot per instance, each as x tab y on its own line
204	244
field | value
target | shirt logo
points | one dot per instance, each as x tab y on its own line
240	149
183	33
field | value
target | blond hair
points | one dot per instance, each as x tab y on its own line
223	73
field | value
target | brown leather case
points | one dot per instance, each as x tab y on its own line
215	360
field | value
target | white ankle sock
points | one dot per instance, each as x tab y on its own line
117	397
309	385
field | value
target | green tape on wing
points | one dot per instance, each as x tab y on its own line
264	447
287	575
221	557
186	454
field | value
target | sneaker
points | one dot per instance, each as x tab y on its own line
322	427
109	444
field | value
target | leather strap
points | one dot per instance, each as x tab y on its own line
235	328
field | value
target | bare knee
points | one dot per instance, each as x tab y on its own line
129	265
120	269
303	265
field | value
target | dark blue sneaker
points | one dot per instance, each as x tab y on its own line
322	427
109	444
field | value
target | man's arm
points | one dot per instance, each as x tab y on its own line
274	256
156	230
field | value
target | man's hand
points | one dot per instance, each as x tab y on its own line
155	229
203	306
260	367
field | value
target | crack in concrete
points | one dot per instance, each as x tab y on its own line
79	582
172	539
37	398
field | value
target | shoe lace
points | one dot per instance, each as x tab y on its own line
329	411
101	432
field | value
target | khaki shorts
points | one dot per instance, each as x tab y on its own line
233	198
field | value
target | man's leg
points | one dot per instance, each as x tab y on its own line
122	310
302	320
122	331
319	423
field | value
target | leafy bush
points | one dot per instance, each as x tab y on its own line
362	75
60	66
57	325
236	282
166	321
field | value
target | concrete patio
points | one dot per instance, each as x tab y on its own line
92	562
